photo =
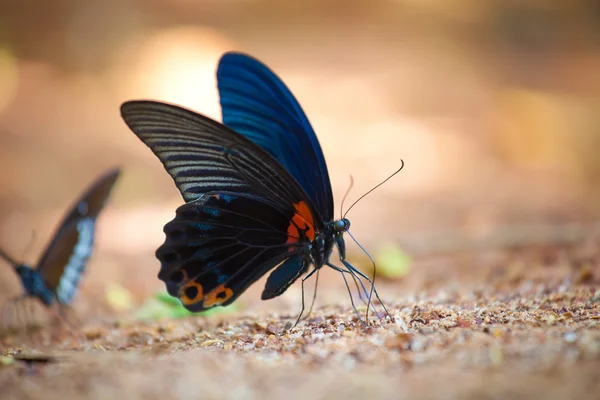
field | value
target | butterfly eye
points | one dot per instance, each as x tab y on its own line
338	226
346	224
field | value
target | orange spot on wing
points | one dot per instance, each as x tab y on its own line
187	300
302	221
217	296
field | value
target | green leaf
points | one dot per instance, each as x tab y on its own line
118	298
221	310
167	298
163	305
6	360
154	309
392	262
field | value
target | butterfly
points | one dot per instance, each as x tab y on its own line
256	189
63	262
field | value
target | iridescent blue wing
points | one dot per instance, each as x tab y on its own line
64	260
257	104
244	213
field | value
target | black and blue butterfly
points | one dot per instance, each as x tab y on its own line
256	188
57	275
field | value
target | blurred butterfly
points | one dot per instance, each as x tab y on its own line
63	262
256	188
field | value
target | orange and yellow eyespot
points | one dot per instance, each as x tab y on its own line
217	296
190	293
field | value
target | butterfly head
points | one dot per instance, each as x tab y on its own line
34	284
27	276
340	226
24	271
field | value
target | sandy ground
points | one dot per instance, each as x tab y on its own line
514	315
524	328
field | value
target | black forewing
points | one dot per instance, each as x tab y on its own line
64	260
203	155
240	205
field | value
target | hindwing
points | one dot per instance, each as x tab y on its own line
220	244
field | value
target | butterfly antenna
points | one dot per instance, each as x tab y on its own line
8	258
346	195
381	183
29	245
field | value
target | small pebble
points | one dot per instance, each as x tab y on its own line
570	337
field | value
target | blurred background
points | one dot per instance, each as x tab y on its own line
493	106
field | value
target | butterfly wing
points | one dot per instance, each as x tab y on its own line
244	214
65	258
256	103
219	245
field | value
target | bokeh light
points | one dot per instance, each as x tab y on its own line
9	76
176	65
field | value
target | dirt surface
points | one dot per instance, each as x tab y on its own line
526	328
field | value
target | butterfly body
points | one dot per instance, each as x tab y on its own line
257	191
59	270
34	284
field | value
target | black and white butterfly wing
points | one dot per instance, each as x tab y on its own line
244	214
64	260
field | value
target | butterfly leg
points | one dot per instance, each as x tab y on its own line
303	280
64	316
356	271
28	311
20	317
314	295
9	315
61	326
362	292
19	311
34	321
344	272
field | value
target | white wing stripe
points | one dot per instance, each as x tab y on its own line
67	286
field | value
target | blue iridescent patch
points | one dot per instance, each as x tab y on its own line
213	212
201	255
203	227
227	198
